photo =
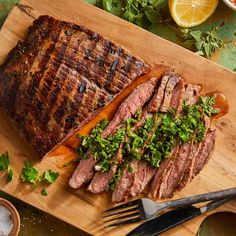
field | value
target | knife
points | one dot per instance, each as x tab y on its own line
173	218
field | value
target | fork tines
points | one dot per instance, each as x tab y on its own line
122	214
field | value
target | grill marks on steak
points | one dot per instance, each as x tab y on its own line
128	108
60	75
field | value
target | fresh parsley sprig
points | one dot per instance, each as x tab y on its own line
31	175
5	166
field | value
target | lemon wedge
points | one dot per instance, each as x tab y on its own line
188	13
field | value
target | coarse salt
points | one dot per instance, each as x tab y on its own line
6	224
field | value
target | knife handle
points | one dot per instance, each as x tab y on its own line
214	204
227	193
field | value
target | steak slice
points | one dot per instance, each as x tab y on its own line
159	182
157	99
176	171
195	148
172	82
59	76
130	105
142	176
205	152
83	172
172	170
122	189
101	180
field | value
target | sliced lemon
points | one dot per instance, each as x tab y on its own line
188	13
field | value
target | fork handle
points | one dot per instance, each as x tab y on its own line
231	192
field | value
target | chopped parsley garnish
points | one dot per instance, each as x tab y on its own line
153	141
116	178
5	166
102	148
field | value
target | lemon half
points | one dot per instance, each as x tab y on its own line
188	13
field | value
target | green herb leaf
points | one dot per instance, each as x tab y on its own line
50	176
196	35
10	175
29	173
5	166
44	192
205	43
4	161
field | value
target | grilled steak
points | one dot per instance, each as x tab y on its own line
142	176
129	107
190	162
172	170
101	180
84	172
158	184
59	76
176	171
205	151
122	189
143	172
172	82
132	104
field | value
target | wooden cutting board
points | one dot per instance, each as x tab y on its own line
81	208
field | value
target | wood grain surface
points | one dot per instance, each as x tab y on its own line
81	208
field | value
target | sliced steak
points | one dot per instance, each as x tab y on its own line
171	171
205	152
176	171
157	99
177	87
169	90
83	172
158	182
101	180
189	167
122	189
154	103
142	176
178	96
59	76
130	106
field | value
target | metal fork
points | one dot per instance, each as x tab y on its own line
145	209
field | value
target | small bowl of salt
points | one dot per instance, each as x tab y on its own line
9	219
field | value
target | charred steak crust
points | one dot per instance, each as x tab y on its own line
61	74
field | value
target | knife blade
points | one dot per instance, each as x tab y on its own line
173	218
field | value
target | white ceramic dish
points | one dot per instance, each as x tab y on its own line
230	4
